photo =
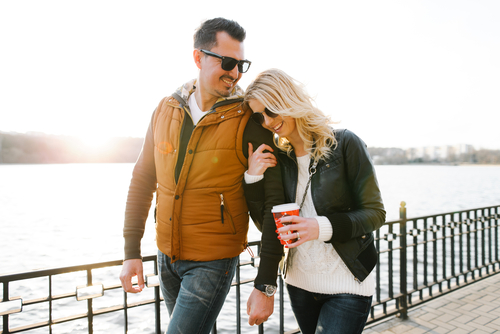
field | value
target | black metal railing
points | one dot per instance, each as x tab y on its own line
425	257
419	259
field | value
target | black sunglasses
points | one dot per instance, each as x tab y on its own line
259	118
229	63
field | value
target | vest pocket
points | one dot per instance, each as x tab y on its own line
223	209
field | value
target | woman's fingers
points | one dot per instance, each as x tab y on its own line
290	219
259	162
299	229
296	243
262	148
295	234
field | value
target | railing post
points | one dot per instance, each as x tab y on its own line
5	299
282	303
90	311
238	298
403	303
157	300
50	304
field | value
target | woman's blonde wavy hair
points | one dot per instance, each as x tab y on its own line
283	95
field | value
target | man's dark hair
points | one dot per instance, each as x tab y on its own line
205	35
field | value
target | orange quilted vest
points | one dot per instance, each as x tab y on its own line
204	215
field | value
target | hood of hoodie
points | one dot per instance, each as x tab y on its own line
189	87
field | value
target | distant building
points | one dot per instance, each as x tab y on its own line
444	153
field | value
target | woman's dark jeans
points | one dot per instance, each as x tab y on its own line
321	313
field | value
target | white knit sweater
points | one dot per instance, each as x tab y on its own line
315	266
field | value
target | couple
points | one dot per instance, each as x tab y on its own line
198	157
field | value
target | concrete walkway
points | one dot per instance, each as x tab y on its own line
472	309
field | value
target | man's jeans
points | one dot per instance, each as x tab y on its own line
321	313
194	292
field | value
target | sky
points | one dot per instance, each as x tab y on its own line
397	73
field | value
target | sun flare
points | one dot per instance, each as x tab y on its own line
94	141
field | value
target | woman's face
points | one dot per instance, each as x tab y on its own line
283	126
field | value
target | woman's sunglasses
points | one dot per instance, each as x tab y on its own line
229	63
259	117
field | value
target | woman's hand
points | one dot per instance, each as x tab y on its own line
259	161
304	229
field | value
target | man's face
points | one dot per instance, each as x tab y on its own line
214	80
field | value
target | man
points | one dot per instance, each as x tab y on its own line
194	157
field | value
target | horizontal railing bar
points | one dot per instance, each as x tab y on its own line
140	303
386	300
64	295
83	315
37	301
29	327
70	318
112	287
82	267
246	281
293	331
57	271
386	251
245	263
384	315
109	309
388	310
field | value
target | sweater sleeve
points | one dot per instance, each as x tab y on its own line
140	195
249	179
325	228
265	194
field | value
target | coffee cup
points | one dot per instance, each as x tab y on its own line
284	210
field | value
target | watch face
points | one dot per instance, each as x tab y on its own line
270	290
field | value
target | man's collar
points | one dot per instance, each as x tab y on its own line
189	87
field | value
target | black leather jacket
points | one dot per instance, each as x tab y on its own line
345	190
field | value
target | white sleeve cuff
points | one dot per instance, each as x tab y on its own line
325	229
249	179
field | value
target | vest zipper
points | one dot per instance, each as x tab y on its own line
222	208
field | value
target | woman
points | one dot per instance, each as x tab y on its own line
330	175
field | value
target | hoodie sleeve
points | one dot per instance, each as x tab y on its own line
262	196
140	194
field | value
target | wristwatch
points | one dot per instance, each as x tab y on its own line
268	290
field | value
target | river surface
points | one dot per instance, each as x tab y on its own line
59	215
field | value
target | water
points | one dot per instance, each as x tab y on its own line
62	215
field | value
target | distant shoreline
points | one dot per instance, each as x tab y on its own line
44	149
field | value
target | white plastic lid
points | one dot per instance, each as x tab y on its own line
285	207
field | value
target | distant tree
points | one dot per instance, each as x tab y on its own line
488	156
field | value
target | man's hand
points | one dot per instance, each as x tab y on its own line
131	268
259	307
